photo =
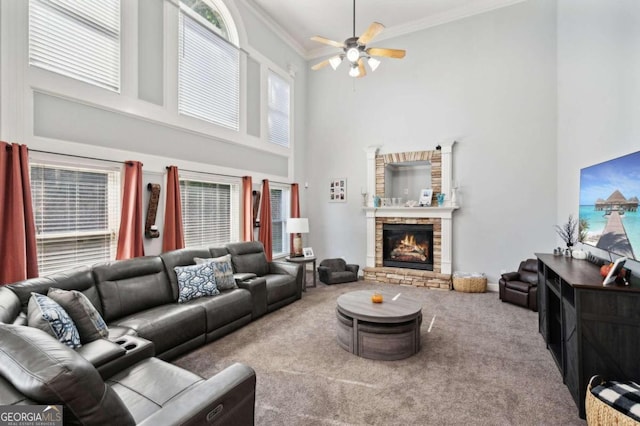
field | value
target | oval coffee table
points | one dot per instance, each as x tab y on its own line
387	331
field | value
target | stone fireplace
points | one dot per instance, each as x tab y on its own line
423	258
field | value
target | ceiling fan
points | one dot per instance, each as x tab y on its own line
356	51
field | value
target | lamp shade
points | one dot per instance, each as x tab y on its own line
298	225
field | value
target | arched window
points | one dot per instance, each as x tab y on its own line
209	63
216	13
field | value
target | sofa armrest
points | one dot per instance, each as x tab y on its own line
101	351
353	268
257	286
243	276
226	398
283	268
294	269
323	273
511	276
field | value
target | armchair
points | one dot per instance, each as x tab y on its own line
336	271
521	287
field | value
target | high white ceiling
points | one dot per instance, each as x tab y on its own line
333	19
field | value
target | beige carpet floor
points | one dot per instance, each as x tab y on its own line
482	363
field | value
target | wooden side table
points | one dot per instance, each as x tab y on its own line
304	261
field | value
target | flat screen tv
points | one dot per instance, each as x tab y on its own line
609	218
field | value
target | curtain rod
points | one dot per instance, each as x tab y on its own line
124	162
231	176
78	156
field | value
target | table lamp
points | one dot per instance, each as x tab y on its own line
297	226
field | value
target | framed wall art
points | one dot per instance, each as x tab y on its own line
425	197
338	190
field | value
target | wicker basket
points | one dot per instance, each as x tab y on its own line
470	283
600	413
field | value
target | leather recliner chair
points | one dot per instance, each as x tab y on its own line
283	280
35	368
521	287
336	271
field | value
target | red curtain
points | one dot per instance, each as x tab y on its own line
247	208
18	254
295	208
173	237
131	230
265	220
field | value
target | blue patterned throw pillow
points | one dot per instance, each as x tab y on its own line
195	281
45	314
222	271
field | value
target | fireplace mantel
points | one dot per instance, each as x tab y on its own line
443	212
440	216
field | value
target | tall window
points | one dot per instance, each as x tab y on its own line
79	39
209	64
279	216
210	212
77	214
278	115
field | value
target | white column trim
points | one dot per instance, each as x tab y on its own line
371	151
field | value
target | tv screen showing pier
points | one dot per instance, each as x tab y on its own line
609	218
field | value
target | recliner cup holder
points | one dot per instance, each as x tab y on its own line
130	346
120	342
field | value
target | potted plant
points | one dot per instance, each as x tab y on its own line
568	232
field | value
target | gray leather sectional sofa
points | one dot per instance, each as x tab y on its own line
138	300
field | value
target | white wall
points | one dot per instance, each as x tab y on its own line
598	91
489	82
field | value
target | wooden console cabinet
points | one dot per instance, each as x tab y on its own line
589	329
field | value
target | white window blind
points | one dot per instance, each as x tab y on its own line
210	212
279	106
77	214
208	72
77	38
279	215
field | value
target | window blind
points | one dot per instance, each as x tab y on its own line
77	214
279	214
278	115
210	212
208	73
77	38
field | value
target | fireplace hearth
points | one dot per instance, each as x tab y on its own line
408	246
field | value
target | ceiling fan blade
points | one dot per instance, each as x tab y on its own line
387	53
361	68
374	29
327	41
319	65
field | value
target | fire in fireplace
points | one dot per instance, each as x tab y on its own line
407	246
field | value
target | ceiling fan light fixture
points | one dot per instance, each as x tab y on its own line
353	54
354	71
373	63
335	62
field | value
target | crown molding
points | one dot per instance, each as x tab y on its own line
275	27
422	24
